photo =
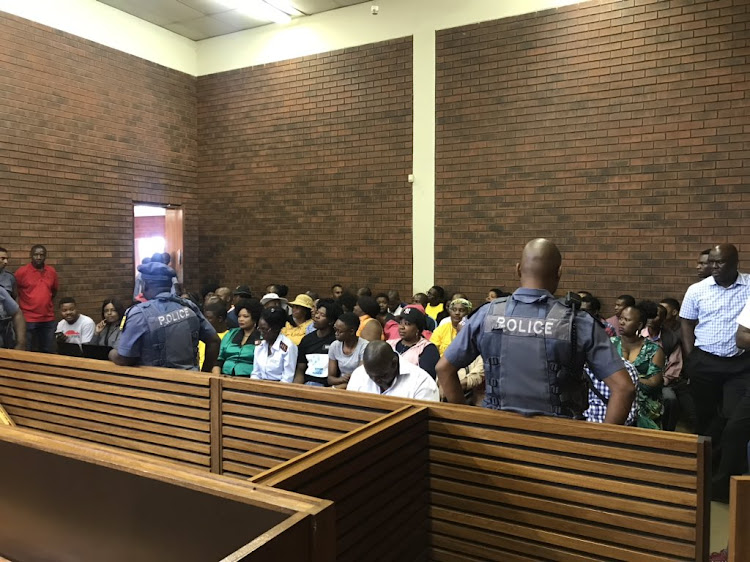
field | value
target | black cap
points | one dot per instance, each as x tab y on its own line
414	316
243	291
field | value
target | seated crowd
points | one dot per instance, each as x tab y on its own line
380	344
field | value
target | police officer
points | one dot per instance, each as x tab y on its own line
11	319
526	343
164	331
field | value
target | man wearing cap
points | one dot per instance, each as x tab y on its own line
272	300
384	372
411	345
164	331
241	292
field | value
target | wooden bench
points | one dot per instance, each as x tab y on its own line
161	412
500	486
377	477
739	519
506	487
264	424
64	499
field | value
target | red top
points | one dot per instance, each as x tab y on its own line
36	289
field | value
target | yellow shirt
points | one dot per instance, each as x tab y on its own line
433	311
443	336
202	349
296	333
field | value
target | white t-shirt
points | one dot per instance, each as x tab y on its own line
411	382
80	331
744	318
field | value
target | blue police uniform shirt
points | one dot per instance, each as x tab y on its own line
601	356
136	339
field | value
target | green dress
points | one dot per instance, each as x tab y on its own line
650	405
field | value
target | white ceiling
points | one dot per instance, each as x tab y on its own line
201	19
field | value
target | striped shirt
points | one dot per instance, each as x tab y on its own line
716	309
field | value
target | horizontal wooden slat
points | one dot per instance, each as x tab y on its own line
270	438
583	481
59	384
554	491
584	432
241	470
251	446
301	406
192	387
159	438
446	548
70	406
274	427
615	468
568	524
452	494
20	388
160	451
289	418
472	527
644	456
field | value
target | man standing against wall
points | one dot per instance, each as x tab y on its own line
716	367
37	287
7	281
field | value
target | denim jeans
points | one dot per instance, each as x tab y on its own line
40	336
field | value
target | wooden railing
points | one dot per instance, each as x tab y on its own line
410	480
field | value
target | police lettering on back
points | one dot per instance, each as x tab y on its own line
165	330
525	326
174	316
534	347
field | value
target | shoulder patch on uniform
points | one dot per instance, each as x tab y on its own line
283	346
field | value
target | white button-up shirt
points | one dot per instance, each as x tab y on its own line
276	364
411	382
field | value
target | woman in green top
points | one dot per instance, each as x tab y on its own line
237	351
648	359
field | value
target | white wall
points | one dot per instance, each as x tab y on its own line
100	23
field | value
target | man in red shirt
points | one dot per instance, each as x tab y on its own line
37	286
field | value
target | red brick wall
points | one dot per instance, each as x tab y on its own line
303	170
620	130
84	132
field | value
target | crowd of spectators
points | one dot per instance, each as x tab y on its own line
681	357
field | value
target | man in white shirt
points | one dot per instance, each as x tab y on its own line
383	372
74	327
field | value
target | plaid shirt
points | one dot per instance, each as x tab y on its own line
598	409
716	309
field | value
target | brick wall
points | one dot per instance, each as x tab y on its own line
619	129
148	227
302	171
84	132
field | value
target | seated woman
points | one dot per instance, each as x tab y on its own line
369	328
647	358
345	354
276	357
301	319
107	332
238	346
444	335
412	346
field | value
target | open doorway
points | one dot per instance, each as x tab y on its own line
158	229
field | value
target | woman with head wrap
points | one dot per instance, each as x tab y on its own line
444	334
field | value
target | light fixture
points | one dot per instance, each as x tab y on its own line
258	9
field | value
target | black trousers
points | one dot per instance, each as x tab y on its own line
721	390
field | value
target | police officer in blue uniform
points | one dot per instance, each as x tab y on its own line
164	331
527	341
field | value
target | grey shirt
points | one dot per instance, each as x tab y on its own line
347	363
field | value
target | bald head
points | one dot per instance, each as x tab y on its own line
540	265
722	264
381	363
